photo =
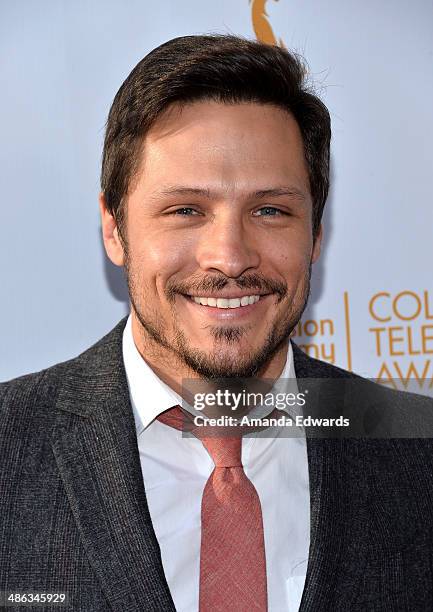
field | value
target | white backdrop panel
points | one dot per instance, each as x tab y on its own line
62	63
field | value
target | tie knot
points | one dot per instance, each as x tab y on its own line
225	452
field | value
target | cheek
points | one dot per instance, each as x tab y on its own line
159	257
290	259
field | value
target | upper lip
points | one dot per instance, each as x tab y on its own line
228	294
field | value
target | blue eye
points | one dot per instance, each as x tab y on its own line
273	211
180	211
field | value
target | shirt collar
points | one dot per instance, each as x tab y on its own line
149	395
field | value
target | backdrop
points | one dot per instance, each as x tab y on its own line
371	308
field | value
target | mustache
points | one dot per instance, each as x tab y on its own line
217	283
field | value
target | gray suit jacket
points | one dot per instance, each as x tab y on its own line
74	517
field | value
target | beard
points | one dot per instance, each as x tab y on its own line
220	363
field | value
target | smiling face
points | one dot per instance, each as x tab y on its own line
219	240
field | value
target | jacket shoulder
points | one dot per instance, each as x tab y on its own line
20	396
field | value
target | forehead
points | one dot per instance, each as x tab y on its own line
224	146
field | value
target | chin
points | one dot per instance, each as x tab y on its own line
221	362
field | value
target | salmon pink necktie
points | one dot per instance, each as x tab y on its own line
232	555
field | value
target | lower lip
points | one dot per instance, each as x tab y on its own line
228	314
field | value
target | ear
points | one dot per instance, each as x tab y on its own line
110	234
317	245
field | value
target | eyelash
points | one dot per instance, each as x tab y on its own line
175	212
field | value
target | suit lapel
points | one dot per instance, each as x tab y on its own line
94	443
330	506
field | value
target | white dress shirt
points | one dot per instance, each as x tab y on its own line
175	470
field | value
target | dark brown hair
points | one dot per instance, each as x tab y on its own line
223	68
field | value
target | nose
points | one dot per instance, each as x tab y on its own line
228	245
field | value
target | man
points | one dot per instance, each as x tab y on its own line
214	177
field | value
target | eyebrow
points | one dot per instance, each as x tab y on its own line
259	194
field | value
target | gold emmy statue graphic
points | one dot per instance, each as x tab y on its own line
262	27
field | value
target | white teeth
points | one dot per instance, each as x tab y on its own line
227	302
223	303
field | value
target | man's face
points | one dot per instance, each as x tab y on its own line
220	209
